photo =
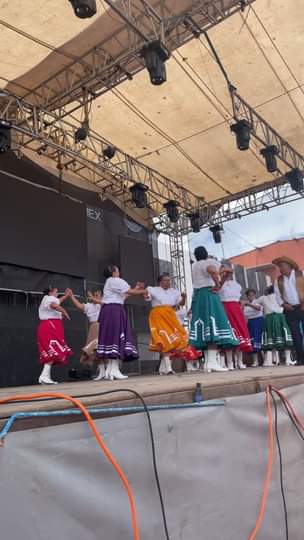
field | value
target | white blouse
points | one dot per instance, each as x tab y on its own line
115	290
251	313
45	311
92	311
231	291
200	276
163	297
270	304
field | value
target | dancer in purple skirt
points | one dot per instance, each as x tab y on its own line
115	341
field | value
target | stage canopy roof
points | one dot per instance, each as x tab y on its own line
180	128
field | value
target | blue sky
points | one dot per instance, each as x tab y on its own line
280	223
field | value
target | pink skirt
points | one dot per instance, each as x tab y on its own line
238	323
51	344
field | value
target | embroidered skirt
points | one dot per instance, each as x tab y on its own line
88	354
209	324
51	343
115	339
276	333
167	333
256	327
238	323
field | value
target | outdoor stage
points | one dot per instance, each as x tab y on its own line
155	390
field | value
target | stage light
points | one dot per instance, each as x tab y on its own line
139	195
216	233
155	55
109	152
242	131
295	179
81	133
269	153
5	136
172	211
84	8
195	222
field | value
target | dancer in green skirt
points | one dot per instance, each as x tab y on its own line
276	335
210	328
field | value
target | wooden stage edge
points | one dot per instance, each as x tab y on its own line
155	389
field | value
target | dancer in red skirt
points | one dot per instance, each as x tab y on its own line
230	294
51	344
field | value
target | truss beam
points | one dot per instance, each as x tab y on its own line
117	57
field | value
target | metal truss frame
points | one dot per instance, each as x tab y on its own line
177	259
41	131
137	22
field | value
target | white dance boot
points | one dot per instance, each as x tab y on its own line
45	377
267	359
165	367
101	372
288	360
229	357
191	366
275	358
239	360
255	360
212	361
113	371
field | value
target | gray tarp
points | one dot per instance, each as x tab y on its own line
56	484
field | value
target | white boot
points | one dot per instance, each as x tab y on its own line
288	360
100	372
267	359
222	360
45	377
212	362
255	360
239	360
190	366
165	367
229	357
115	372
275	358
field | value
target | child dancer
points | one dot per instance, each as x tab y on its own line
254	314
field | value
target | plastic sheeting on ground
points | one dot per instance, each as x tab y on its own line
55	483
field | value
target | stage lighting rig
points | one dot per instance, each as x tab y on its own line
216	233
139	195
171	208
81	133
84	8
109	152
195	222
155	55
5	136
269	153
242	132
295	178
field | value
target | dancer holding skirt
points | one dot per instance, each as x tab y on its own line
115	341
168	336
51	343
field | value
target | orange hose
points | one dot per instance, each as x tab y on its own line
290	407
269	467
110	457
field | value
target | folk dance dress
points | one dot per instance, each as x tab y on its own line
115	340
209	324
88	354
167	334
276	335
230	294
255	322
51	343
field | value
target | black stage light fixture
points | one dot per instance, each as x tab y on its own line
84	8
295	178
216	233
172	210
139	195
81	133
242	131
195	222
5	136
155	55
270	153
109	152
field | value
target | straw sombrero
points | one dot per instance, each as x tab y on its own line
287	260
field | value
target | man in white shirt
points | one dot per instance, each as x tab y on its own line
289	291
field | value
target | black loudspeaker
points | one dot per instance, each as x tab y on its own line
5	136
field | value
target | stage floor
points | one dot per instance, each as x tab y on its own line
156	389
